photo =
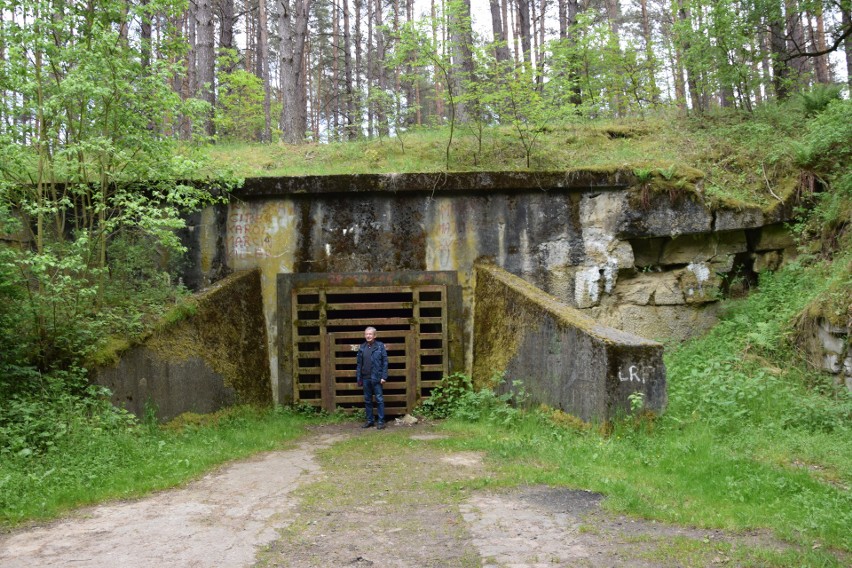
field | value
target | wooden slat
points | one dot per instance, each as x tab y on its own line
327	391
431	367
311	370
445	367
393	373
431	304
432	336
369	290
395	305
345	399
369	321
308	354
431	320
306	339
431	352
411	392
347	348
308	386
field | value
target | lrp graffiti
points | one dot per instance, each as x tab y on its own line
632	376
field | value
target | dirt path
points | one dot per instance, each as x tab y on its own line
347	497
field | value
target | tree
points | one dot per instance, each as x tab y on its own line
205	59
292	33
92	166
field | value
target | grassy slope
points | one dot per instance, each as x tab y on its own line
741	157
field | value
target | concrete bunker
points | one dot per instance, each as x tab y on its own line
654	267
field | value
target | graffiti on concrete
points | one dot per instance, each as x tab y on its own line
633	376
253	232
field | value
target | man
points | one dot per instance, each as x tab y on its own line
372	373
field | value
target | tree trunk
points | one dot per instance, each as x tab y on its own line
461	36
351	131
796	43
380	71
650	60
846	20
676	61
689	71
524	28
292	29
205	60
778	48
263	69
501	51
439	98
357	114
613	10
335	71
226	31
823	72
144	37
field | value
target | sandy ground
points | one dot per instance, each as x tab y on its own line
273	511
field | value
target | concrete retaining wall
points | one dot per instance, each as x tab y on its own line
211	359
563	358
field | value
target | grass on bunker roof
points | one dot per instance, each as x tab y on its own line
743	159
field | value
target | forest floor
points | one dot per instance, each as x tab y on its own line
343	496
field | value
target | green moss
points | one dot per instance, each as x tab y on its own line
110	354
834	305
177	314
226	329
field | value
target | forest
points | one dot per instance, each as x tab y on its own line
346	69
120	117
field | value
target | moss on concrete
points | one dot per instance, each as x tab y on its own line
227	331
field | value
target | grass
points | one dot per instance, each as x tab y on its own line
743	158
96	465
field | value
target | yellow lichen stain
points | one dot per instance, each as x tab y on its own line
261	231
207	239
441	241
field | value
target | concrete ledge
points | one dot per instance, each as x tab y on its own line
435	182
563	358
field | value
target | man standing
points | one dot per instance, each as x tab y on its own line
372	373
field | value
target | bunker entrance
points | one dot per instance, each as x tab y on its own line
328	326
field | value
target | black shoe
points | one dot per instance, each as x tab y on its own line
368	425
381	426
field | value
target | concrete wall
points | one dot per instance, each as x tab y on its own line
562	357
213	358
645	262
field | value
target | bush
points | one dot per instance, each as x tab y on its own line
455	397
42	418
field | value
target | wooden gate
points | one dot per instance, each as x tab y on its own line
328	327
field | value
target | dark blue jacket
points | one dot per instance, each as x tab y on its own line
380	362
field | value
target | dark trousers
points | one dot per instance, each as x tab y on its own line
374	388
